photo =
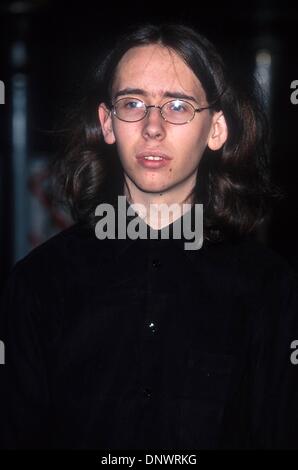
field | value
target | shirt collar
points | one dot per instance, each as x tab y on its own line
164	235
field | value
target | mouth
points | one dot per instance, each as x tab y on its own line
153	159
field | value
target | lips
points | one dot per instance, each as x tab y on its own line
153	159
153	153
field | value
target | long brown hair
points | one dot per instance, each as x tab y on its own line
233	183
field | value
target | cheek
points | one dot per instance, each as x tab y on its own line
189	146
126	138
125	132
197	142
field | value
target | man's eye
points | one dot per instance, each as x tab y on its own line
132	104
178	107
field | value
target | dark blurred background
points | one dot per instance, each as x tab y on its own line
46	47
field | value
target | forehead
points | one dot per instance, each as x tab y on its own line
156	69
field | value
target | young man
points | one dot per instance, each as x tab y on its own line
137	342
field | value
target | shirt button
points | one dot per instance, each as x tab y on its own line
147	393
156	263
152	327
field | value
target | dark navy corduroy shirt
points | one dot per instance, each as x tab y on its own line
141	344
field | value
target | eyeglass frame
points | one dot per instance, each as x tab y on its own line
195	110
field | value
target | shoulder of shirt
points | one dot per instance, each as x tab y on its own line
262	264
259	257
250	257
252	270
248	249
247	260
60	249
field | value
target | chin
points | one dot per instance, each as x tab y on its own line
147	187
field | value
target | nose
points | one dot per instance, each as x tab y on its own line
154	124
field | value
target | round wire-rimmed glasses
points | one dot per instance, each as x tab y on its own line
175	111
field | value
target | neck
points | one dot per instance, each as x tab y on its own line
159	209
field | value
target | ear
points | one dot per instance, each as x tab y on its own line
105	119
218	132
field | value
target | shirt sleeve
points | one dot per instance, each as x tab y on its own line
24	396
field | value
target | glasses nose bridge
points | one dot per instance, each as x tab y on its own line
153	106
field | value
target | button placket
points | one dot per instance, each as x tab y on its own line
156	263
150	344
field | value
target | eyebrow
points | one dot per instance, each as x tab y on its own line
166	94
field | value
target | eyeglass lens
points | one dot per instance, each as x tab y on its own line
175	111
